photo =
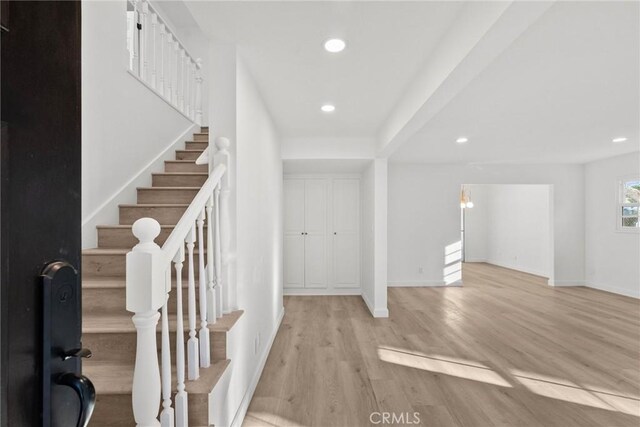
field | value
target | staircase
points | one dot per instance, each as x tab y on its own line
108	330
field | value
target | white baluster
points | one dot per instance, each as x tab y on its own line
199	93
169	66
192	98
223	157
211	304
187	87
153	50
192	344
144	42
166	416
203	334
161	60
145	294
218	260
181	81
176	54
182	405
136	39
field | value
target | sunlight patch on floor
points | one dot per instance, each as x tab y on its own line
562	389
443	365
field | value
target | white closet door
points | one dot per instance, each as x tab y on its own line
294	238
315	253
346	240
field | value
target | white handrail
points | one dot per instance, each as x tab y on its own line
148	288
176	239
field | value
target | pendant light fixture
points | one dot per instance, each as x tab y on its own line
465	198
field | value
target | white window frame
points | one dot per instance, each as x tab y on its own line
620	204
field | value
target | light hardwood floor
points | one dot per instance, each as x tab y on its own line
506	349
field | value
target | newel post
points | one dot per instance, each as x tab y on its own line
199	92
223	156
146	293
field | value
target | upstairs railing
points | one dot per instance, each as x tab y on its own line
149	286
161	61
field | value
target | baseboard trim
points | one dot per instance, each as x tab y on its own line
246	400
566	283
426	284
375	312
89	233
321	292
615	290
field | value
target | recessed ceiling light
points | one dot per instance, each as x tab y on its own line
328	108
618	140
462	140
334	45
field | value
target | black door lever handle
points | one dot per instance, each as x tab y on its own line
86	393
83	353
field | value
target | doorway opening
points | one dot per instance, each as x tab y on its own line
508	225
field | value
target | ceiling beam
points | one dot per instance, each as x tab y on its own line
481	32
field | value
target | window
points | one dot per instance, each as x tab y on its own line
629	205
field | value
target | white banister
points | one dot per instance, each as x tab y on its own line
203	333
199	92
166	416
228	293
161	60
182	406
153	49
211	304
148	287
192	343
144	42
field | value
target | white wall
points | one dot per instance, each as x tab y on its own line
509	226
259	231
424	215
612	256
125	126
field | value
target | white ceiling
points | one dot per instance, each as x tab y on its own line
282	45
559	93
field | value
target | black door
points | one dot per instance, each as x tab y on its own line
40	185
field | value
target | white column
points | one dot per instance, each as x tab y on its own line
145	293
192	344
153	49
182	405
198	100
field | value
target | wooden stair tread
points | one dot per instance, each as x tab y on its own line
118	251
122	323
117	378
155	205
181	174
103	282
168	188
128	226
182	161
